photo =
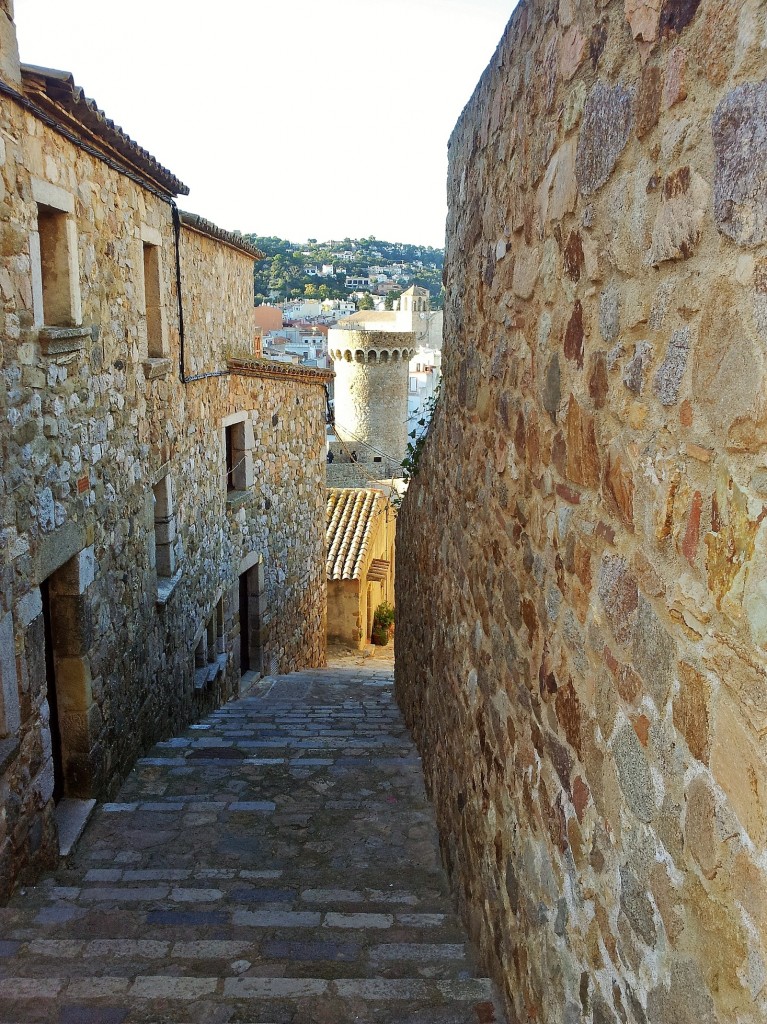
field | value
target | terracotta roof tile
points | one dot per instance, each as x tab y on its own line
232	238
350	518
56	92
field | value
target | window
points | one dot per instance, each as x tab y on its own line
164	528
413	385
210	651
239	443
53	253
151	262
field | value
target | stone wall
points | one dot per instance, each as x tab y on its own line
121	547
581	645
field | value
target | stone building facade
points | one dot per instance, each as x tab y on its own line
581	647
360	533
163	493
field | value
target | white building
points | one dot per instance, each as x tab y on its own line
357	282
302	309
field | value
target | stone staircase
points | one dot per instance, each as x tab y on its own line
276	864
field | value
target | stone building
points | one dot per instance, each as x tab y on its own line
163	492
360	563
581	646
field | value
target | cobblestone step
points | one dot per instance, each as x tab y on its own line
276	864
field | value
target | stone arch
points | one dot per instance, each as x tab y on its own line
348	356
384	356
359	356
372	356
395	356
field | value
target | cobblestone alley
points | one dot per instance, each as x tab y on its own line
276	863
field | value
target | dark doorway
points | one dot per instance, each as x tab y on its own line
244	626
53	703
251	602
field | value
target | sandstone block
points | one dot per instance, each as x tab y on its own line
583	463
676	15
740	184
685	999
668	377
679	221
643	17
675	88
603	135
634	773
648	100
743	778
653	654
618	593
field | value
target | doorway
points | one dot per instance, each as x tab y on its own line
66	629
52	695
251	627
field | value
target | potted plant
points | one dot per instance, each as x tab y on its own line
383	619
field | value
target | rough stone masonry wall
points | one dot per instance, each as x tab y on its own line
581	643
88	427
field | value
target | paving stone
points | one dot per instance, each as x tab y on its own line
30	988
271	988
82	1014
196	895
418	951
381	988
98	988
182	918
276	919
148	949
310	951
331	896
163	987
208	949
333	920
143	894
62	948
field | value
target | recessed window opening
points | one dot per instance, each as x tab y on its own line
56	266
156	348
164	527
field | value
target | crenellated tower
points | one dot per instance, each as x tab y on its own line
371	384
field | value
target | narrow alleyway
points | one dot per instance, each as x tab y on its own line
276	864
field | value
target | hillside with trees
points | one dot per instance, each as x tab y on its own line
294	270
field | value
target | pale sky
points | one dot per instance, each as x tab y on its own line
297	118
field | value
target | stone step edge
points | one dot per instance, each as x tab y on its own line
164	987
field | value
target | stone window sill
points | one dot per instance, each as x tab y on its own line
165	587
56	341
209	673
235	499
156	368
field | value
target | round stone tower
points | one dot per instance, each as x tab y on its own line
371	384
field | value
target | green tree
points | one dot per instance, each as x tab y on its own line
366	302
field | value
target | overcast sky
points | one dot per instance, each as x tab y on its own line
297	118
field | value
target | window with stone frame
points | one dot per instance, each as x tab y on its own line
54	251
156	328
210	651
164	527
239	443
